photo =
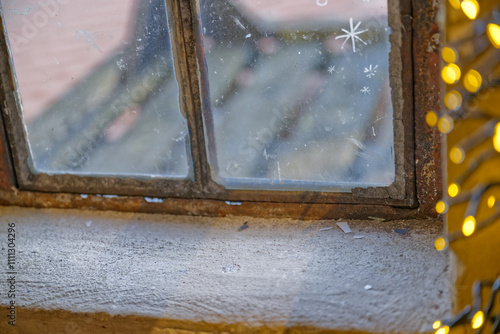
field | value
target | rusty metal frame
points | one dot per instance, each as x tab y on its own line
413	69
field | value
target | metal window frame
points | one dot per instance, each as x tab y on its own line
417	153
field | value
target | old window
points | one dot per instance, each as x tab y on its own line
233	100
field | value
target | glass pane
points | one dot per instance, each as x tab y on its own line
300	93
97	86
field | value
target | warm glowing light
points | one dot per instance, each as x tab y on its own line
440	244
457	155
453	100
469	225
491	201
451	74
455	3
453	190
477	320
496	138
443	330
436	324
472	81
441	207
431	118
449	55
493	32
445	124
470	8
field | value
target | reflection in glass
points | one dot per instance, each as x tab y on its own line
97	85
299	91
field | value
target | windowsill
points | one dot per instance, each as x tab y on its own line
146	273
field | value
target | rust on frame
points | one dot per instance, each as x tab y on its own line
7	178
427	84
203	207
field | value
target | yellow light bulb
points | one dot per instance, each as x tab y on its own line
436	324
443	330
496	138
449	55
455	3
450	74
445	124
477	320
491	201
441	207
493	32
453	100
469	225
431	118
472	81
440	244
453	190
470	8
457	155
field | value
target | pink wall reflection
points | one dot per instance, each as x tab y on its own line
57	43
303	11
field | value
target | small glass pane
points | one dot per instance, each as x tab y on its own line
97	87
300	94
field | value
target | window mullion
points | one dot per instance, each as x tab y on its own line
184	36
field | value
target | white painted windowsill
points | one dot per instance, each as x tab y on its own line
276	273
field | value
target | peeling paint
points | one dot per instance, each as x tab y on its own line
154	200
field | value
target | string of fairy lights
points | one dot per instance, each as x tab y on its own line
478	81
474	316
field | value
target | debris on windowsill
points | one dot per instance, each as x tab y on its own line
153	200
243	227
84	196
368	287
89	223
377	219
232	203
401	231
110	196
358	236
231	268
325	228
344	227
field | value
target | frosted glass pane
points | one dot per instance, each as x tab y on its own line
300	93
97	87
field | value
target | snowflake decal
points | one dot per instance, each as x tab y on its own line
353	35
370	71
365	90
331	69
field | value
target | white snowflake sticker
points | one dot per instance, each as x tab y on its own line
352	34
370	71
365	90
331	69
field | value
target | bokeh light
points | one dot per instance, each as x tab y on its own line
469	226
453	100
472	81
451	74
470	8
493	32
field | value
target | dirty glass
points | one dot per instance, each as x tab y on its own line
97	88
299	93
